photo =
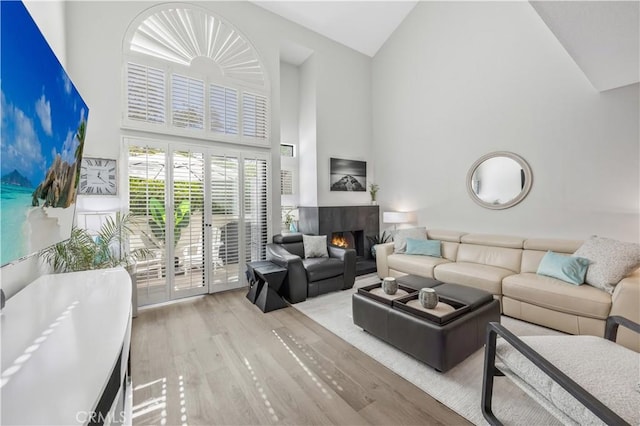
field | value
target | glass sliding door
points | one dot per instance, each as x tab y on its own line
255	207
188	223
202	214
147	200
225	221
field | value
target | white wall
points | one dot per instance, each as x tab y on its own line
343	121
458	80
50	18
308	133
289	126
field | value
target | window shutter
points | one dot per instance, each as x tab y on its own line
145	93
223	109
188	213
254	115
286	182
187	102
146	172
256	207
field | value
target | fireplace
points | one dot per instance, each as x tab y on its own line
349	239
352	223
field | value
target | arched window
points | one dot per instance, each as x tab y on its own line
189	72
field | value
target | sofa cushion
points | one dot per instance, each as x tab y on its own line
571	269
321	268
557	245
611	261
424	247
415	265
557	295
493	240
505	258
400	238
485	277
443	235
315	246
603	368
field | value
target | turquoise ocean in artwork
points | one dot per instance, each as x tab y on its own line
15	203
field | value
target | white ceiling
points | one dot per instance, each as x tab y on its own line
603	37
361	25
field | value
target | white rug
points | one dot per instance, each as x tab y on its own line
459	388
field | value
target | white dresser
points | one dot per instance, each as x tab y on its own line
65	349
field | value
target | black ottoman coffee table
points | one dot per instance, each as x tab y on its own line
440	342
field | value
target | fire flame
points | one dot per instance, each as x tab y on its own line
339	241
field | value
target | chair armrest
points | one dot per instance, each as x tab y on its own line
611	329
294	287
382	252
348	256
490	370
625	302
280	256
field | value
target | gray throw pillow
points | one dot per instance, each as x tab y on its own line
400	238
610	261
315	246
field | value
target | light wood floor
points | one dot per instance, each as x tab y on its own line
218	359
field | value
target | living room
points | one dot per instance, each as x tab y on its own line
453	82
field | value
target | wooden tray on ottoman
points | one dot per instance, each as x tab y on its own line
437	315
380	296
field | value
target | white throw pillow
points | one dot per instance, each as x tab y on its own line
611	261
315	246
400	238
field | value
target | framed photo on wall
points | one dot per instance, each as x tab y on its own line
348	175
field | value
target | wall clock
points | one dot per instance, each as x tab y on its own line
98	177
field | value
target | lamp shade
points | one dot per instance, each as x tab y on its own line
396	217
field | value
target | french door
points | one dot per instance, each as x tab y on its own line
202	213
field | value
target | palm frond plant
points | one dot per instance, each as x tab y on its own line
83	251
378	239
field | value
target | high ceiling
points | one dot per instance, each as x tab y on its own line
602	37
361	25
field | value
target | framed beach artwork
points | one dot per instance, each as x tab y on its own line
348	175
44	121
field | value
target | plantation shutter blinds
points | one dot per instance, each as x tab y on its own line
286	182
187	102
255	207
254	115
145	93
223	109
147	189
225	211
188	218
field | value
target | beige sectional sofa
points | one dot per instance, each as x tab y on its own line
506	267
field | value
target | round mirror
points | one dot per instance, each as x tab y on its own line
499	180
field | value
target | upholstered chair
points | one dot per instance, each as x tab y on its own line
311	276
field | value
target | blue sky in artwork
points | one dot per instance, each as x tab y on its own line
41	109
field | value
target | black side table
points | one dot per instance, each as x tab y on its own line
265	279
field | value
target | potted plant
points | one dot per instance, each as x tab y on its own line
290	218
108	249
373	191
83	251
378	239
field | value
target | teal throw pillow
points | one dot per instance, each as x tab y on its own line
571	269
423	247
